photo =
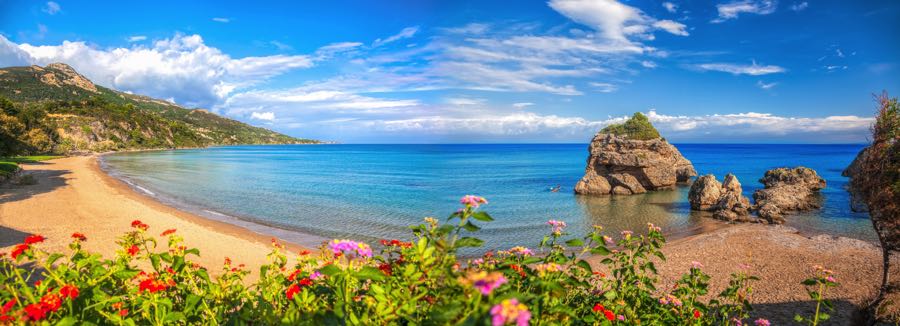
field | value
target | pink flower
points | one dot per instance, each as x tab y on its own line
558	226
350	248
518	251
761	322
472	200
609	241
652	227
830	279
508	312
696	264
485	282
626	234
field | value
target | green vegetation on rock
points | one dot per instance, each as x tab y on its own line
54	109
637	127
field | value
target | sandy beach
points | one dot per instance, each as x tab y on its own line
73	194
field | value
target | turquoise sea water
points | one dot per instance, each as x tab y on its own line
371	192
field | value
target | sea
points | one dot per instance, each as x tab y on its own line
310	193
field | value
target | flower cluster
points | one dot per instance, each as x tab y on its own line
545	268
472	201
557	226
517	251
608	314
350	248
510	311
149	282
137	224
483	281
395	243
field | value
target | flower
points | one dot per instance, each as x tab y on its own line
761	322
35	311
123	312
621	317
137	224
557	226
609	241
653	228
626	234
510	311
18	250
543	269
79	236
315	275
5	309
150	283
69	290
133	250
350	248
696	265
291	291
609	315
830	279
34	238
697	314
167	232
483	281
518	251
598	307
473	201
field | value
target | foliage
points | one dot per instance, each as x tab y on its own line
637	127
417	282
7	168
40	115
816	287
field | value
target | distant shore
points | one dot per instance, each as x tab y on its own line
74	194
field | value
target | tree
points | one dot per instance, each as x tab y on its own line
637	127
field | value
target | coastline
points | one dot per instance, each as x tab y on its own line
74	195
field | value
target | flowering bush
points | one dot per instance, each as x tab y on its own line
417	282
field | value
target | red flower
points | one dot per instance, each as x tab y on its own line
305	282
123	312
133	250
5	309
598	307
609	315
35	311
117	305
34	238
304	253
51	302
152	285
137	224
167	232
385	268
18	250
68	290
292	290
79	236
697	314
293	275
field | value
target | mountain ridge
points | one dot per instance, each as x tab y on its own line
55	109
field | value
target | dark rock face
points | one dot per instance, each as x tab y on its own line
857	202
724	200
787	190
621	166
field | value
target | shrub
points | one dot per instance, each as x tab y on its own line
418	282
637	127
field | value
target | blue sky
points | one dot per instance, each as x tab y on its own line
482	71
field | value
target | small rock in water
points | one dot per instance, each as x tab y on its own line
788	190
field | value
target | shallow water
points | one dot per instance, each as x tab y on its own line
375	191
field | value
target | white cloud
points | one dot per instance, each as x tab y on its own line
136	38
266	116
670	7
605	87
464	101
800	6
404	34
615	22
182	67
52	8
522	105
281	46
672	27
766	86
221	19
737	69
648	64
732	10
339	47
471	28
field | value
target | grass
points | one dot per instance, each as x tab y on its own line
7	168
28	159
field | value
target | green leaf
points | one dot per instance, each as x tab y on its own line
154	260
53	258
610	295
68	321
174	316
329	270
584	265
469	242
471	227
600	250
369	273
575	243
482	216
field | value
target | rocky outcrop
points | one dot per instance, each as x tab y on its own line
857	200
725	200
787	190
64	74
618	165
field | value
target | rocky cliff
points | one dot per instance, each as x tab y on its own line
619	165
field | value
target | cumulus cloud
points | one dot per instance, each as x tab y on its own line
737	69
183	67
404	34
672	27
266	116
732	10
52	8
800	6
615	21
670	7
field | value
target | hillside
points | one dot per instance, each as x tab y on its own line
54	109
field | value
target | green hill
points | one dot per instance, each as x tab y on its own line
54	109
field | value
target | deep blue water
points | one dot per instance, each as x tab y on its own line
376	191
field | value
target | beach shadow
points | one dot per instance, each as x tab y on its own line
9	237
782	313
47	181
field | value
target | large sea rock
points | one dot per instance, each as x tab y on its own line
857	202
788	190
725	200
622	166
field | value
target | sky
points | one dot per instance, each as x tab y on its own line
746	71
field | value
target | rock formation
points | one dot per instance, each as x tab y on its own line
725	200
857	200
620	165
787	190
